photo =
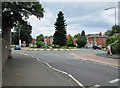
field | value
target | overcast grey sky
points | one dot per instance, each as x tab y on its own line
88	16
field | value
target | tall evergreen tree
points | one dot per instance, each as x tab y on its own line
59	37
83	33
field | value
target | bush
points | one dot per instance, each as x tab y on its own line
81	41
115	43
70	41
64	47
39	44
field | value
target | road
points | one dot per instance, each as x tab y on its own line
87	72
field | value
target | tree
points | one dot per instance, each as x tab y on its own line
75	36
70	41
59	37
115	29
39	44
14	12
81	39
108	33
40	38
83	33
25	33
114	38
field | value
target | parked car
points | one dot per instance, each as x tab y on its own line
17	47
96	47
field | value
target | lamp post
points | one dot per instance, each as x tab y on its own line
19	38
115	15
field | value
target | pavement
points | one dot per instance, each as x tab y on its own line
23	70
97	56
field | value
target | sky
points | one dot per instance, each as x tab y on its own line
88	16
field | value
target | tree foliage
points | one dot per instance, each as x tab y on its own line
59	37
83	33
75	36
40	38
114	38
70	41
39	44
81	39
13	12
22	31
115	30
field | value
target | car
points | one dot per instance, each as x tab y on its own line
17	47
96	47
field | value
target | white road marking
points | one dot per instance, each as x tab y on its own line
37	59
60	71
114	80
48	49
76	81
97	85
80	84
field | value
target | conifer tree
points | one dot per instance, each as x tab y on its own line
59	37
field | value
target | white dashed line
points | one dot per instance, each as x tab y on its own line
114	80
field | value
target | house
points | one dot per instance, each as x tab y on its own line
74	39
48	40
96	39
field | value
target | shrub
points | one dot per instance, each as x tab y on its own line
81	41
115	43
70	41
39	44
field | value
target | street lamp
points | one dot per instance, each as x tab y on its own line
115	15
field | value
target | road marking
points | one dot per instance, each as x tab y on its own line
114	80
80	84
97	85
37	59
60	71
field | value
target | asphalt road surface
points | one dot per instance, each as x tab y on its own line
88	73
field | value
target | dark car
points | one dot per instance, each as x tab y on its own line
17	47
96	47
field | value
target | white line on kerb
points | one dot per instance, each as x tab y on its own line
114	80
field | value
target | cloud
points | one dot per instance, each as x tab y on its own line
89	16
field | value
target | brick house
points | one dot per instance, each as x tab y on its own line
48	40
74	39
96	39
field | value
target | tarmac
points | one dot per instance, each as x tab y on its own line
23	70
